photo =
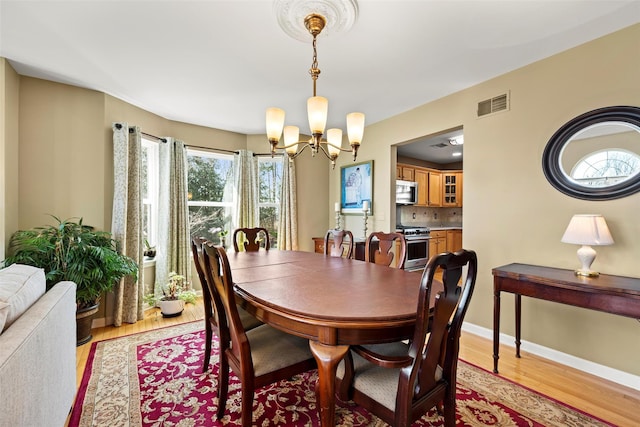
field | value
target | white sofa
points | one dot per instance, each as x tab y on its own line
37	352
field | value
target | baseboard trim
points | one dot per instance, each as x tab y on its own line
620	377
100	322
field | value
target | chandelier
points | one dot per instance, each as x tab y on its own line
317	107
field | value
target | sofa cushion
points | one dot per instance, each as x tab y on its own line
20	286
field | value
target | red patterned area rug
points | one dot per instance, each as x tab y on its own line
155	379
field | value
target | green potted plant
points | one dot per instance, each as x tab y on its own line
175	294
71	250
223	238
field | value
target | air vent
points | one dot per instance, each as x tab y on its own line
439	145
493	105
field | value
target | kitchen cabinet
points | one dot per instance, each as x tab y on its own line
454	240
435	189
438	242
429	187
452	189
422	179
405	172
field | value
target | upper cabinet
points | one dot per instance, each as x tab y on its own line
405	172
452	189
429	183
435	188
422	179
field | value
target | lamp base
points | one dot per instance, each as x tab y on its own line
587	273
586	255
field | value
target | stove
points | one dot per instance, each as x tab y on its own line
416	232
413	232
417	253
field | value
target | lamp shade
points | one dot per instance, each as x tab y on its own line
587	230
355	127
275	122
291	135
334	139
317	109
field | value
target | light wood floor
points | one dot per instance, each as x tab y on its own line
609	401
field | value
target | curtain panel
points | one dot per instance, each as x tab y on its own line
126	219
173	246
245	167
288	221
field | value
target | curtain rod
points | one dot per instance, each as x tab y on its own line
131	130
154	137
229	151
119	126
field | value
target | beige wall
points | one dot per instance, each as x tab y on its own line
511	213
9	134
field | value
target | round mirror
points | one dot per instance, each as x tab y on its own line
596	156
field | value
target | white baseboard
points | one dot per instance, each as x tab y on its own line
620	377
105	321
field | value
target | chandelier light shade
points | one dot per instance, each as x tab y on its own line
317	112
587	230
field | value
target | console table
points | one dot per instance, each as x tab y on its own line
608	293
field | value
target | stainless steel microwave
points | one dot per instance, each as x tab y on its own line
406	192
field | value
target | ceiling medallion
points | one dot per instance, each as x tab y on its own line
339	14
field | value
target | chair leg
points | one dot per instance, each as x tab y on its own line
223	386
450	410
207	348
247	406
344	390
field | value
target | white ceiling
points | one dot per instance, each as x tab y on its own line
222	63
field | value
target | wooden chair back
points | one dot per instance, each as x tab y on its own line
383	254
423	373
250	239
338	246
218	275
212	303
436	341
277	354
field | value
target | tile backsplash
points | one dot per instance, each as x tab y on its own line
429	217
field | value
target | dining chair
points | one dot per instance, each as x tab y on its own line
258	357
338	247
212	304
400	382
250	239
379	248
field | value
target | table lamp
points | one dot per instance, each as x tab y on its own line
587	230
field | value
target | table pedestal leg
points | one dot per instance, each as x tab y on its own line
327	357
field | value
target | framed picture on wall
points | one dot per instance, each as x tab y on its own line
356	188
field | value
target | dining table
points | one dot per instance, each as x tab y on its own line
331	301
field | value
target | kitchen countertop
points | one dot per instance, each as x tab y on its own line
446	227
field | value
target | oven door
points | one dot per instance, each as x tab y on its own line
417	253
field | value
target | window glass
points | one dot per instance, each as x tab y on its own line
606	167
210	197
270	182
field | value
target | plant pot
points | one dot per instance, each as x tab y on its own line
84	318
171	308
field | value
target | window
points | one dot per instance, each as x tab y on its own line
606	167
210	183
270	182
149	184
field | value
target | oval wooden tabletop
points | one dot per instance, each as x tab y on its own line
321	287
